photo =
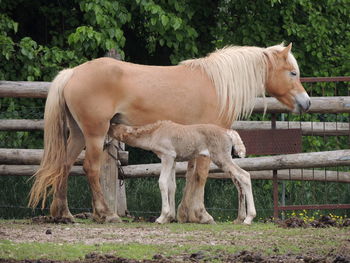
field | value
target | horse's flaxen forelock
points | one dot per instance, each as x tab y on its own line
239	75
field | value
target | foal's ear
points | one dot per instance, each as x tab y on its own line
284	53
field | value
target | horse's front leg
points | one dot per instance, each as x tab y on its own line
191	208
166	191
92	164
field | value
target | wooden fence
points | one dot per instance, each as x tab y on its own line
24	162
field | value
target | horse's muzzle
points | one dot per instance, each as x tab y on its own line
302	102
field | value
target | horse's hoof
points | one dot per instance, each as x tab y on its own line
211	222
238	221
207	219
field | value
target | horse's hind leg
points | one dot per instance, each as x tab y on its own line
59	205
92	164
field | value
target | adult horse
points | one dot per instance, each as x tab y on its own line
218	89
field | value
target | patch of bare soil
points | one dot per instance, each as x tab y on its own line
51	220
59	231
322	222
200	256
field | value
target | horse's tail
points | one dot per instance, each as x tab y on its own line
237	142
53	165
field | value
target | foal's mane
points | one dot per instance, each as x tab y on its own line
239	75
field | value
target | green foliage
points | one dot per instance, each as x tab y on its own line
319	31
168	25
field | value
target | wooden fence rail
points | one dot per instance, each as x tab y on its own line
37	89
289	174
33	156
260	167
290	161
276	162
307	128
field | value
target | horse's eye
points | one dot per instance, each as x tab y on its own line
293	73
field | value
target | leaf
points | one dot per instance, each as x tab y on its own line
177	23
161	42
179	37
153	21
119	33
15	27
165	20
98	38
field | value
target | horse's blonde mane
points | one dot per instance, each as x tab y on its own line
239	75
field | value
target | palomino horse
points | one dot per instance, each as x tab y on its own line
173	142
217	89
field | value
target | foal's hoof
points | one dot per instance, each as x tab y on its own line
161	221
248	221
164	220
114	218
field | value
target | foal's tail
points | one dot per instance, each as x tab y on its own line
53	165
237	142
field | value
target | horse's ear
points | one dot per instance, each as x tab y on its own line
284	53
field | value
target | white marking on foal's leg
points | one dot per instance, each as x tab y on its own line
172	190
164	180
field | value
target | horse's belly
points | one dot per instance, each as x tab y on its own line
178	106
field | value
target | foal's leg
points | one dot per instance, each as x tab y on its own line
243	179
191	208
165	188
242	213
59	205
172	191
92	164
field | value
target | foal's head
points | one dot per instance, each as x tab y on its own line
283	81
120	131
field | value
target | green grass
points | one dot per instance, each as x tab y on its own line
66	251
266	238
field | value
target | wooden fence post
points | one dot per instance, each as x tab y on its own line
113	188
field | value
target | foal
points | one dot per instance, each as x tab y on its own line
175	142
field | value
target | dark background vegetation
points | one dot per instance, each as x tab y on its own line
39	38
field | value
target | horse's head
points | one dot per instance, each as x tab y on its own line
283	81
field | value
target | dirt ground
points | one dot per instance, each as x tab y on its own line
46	229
